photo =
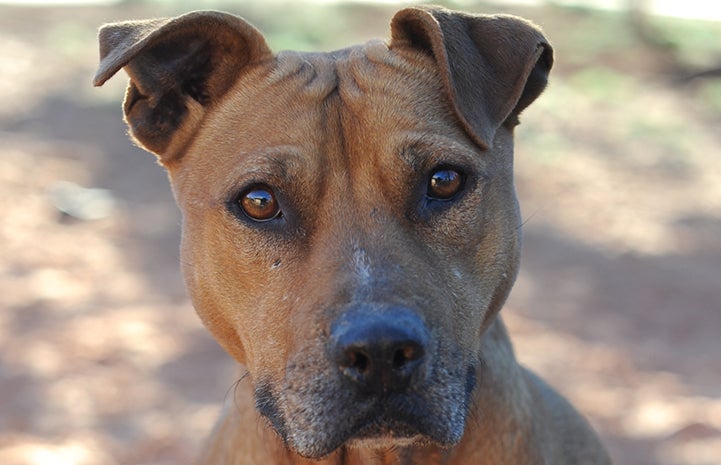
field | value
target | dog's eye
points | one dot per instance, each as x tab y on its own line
259	203
444	184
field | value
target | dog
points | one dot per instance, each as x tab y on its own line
350	233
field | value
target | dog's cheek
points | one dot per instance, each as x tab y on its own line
481	272
498	257
209	297
235	290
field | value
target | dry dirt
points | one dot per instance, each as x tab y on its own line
103	361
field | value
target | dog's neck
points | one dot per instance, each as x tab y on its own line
495	406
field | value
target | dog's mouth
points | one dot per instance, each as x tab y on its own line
390	423
385	430
379	428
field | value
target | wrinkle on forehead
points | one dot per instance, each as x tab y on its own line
313	72
358	74
373	68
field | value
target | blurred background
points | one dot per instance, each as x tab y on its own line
618	304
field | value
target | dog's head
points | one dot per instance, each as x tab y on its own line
350	226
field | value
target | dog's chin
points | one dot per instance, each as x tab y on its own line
390	441
384	435
374	435
386	443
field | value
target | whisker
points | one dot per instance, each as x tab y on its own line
234	388
528	218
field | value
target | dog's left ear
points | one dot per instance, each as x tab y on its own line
492	66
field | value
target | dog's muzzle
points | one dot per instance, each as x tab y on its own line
381	378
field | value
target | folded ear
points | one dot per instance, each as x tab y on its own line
178	67
492	66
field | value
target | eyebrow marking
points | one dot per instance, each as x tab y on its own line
420	149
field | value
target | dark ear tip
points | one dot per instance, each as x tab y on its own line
409	23
99	79
105	71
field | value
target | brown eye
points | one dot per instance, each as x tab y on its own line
259	203
444	184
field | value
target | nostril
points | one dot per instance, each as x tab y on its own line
357	360
406	354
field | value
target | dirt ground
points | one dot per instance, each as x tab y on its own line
103	361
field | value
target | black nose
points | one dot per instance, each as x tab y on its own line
379	350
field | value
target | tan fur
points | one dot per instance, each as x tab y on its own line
346	140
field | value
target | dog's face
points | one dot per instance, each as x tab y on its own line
364	207
350	226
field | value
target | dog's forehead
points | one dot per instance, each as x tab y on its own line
299	99
293	88
359	72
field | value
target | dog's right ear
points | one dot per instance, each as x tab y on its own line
491	66
178	67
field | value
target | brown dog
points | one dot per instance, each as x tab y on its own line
350	232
